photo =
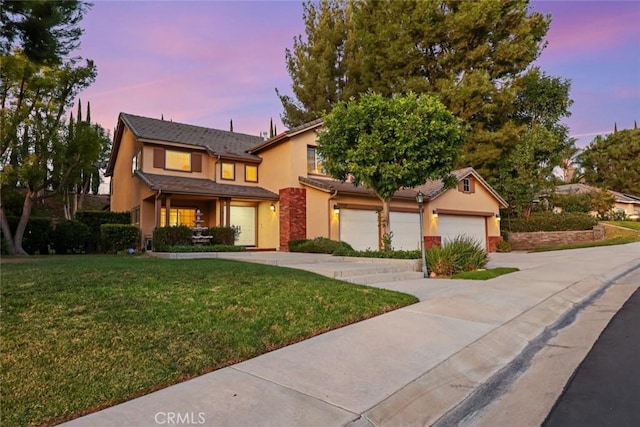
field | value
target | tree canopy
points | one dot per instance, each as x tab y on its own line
474	56
386	143
613	162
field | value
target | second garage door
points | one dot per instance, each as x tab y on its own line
359	228
406	230
451	226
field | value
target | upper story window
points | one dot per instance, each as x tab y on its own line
136	164
228	171
251	173
466	185
177	160
314	161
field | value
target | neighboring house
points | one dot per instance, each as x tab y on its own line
627	203
275	190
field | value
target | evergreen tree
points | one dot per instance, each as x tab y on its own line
231	125
271	134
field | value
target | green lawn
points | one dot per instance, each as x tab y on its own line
81	333
484	274
634	225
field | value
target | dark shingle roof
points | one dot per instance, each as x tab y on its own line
580	188
203	187
218	141
431	189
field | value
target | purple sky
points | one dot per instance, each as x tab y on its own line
206	62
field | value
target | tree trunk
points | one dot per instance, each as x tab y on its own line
6	231
22	225
385	222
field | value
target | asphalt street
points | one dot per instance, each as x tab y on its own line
605	389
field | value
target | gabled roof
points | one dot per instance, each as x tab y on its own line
203	187
580	188
217	142
284	136
431	189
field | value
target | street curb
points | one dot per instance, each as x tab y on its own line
471	378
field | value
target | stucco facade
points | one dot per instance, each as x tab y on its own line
272	187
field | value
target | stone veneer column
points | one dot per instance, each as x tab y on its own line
293	215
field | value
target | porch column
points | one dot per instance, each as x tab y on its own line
167	211
227	215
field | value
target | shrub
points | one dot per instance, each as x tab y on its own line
70	237
319	245
37	235
94	219
207	248
294	244
165	237
548	221
118	237
504	246
463	253
222	235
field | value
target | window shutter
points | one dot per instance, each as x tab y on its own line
461	186
158	158
472	185
196	162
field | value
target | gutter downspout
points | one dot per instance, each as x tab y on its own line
335	193
157	215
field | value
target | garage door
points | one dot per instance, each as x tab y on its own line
451	226
359	228
406	230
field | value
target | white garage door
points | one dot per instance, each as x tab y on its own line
244	217
406	230
451	226
359	228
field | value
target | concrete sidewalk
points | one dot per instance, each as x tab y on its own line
412	366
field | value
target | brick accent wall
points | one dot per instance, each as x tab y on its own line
293	215
432	242
540	239
492	242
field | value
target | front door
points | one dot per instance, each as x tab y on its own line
244	218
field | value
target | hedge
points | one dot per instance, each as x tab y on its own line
118	237
70	237
413	254
94	219
222	235
36	236
548	221
165	237
319	245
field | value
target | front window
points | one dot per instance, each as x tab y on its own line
466	185
178	160
314	161
135	162
178	216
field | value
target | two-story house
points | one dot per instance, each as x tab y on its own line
275	190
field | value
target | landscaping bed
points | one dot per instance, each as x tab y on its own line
81	333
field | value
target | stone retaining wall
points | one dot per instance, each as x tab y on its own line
541	239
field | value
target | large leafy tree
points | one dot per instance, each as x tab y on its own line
613	162
386	143
471	55
38	85
46	31
318	65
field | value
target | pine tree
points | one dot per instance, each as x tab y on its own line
88	112
615	127
231	125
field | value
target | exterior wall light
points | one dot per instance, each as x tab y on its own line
435	213
336	209
498	216
272	207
